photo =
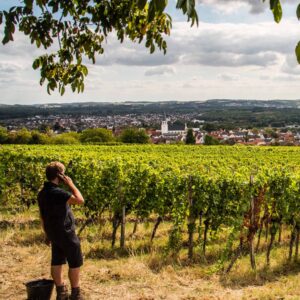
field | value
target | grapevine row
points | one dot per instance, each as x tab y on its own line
200	190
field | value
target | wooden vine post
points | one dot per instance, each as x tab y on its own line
297	243
191	220
123	218
123	223
292	241
252	228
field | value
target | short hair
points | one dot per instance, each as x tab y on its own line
53	169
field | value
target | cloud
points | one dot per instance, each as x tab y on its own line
235	38
228	60
129	54
222	44
217	59
231	6
286	78
234	45
228	77
163	70
21	46
290	65
10	67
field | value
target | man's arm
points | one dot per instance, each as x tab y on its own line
42	223
76	198
47	241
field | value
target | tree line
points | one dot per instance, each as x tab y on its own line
87	136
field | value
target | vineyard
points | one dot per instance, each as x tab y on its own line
247	194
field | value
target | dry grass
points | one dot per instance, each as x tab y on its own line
143	271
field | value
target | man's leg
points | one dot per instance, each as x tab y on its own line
74	274
56	273
61	289
74	280
75	260
58	259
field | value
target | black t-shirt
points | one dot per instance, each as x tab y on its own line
55	211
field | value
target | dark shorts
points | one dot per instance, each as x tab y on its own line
67	249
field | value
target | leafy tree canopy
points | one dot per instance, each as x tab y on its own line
96	135
81	26
210	140
190	139
66	138
134	136
3	135
22	136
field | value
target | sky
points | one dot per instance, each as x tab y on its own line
236	52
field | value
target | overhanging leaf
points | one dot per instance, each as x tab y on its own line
276	8
141	4
28	4
297	51
298	12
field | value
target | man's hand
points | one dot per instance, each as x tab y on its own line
66	180
47	241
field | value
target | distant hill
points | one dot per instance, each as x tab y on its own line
237	112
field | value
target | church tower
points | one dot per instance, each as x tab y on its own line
164	126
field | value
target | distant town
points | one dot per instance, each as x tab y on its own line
212	122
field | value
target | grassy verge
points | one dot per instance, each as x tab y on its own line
142	271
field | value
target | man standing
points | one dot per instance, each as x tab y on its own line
59	226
